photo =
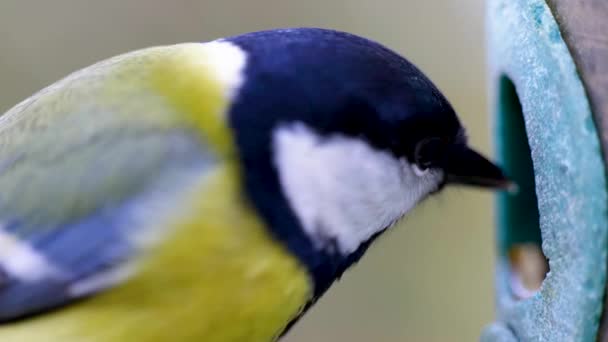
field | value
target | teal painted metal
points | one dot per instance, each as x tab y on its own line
527	49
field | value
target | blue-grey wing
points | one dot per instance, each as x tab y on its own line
71	209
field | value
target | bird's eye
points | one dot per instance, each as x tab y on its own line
419	171
429	152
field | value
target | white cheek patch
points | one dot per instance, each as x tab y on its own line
343	190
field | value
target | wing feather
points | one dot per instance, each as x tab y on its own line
81	176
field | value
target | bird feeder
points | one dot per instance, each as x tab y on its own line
549	87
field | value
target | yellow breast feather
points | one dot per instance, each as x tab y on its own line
215	273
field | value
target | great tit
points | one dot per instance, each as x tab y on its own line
213	191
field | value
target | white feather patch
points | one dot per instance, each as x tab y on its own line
23	262
343	190
102	280
228	62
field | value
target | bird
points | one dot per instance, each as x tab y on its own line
214	191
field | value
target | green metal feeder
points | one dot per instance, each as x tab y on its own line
549	77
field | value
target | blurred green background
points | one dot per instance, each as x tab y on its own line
431	278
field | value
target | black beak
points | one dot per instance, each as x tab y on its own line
467	167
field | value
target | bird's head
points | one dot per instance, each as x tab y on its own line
339	138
